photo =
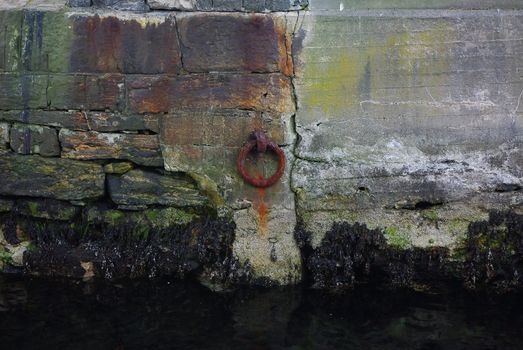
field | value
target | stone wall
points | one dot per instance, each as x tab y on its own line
118	114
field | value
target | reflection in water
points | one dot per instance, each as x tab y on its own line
166	315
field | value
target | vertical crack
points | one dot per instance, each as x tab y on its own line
297	137
180	45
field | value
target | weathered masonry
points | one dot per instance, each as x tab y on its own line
401	123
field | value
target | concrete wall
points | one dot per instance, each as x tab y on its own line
405	110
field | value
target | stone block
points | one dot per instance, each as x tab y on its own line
50	209
140	149
204	5
90	92
61	91
6	205
4	135
80	3
23	91
274	5
219	128
227	5
44	39
143	44
84	120
162	217
34	139
9	40
57	178
118	168
108	122
208	142
262	92
123	5
62	119
61	42
138	188
180	5
225	42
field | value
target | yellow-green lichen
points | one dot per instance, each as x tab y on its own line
209	187
340	78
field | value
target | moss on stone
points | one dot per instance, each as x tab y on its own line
47	209
113	216
33	208
169	216
118	168
209	187
5	205
397	238
5	256
458	225
493	252
430	214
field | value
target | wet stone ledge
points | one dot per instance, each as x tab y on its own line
35	176
195	5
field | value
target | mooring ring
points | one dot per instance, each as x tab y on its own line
261	182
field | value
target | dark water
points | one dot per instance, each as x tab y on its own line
38	314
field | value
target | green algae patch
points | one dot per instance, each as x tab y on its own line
6	257
397	238
169	216
33	208
114	216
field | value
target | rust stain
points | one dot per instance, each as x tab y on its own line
111	44
102	41
263	212
254	30
284	48
151	94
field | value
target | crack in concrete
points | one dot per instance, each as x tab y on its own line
293	129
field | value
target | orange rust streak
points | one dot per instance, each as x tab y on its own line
262	208
263	212
284	48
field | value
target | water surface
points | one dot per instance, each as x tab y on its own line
43	314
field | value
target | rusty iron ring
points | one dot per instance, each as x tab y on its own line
261	143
